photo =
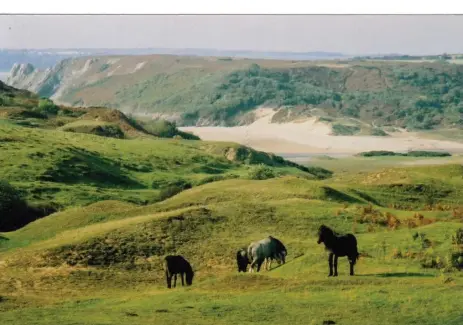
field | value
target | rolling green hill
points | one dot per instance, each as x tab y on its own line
103	261
224	91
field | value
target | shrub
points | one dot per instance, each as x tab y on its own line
428	154
378	132
340	129
172	188
261	172
215	178
325	119
457	254
104	67
166	129
47	107
421	238
377	153
163	183
170	191
422	153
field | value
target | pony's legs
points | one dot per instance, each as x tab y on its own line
251	267
175	280
169	281
181	276
335	265
269	263
351	263
259	264
330	263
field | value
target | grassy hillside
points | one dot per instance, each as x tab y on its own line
415	95
123	204
103	261
59	157
27	109
72	168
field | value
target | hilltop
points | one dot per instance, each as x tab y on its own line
225	90
44	58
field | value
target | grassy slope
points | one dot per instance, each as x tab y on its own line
210	90
207	224
73	168
101	263
26	109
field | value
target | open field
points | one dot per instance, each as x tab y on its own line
101	264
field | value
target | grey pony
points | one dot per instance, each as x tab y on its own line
264	251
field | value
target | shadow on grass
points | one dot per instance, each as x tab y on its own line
274	267
3	238
400	275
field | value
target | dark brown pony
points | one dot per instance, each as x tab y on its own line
338	246
176	264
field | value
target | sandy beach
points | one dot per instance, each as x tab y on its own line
310	136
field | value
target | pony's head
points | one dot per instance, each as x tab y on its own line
189	277
242	260
283	256
323	231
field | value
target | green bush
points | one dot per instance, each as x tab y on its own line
166	129
378	132
378	153
428	154
104	67
419	153
215	178
340	129
164	183
457	255
261	172
47	107
171	190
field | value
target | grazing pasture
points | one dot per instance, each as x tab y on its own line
99	259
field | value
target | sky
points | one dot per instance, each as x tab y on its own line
349	34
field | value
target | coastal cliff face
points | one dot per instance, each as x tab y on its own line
225	91
51	82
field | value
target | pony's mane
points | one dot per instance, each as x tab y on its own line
326	229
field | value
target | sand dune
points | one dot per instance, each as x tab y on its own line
312	136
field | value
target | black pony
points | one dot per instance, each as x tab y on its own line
338	246
242	260
176	264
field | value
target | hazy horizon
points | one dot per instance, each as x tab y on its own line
347	34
